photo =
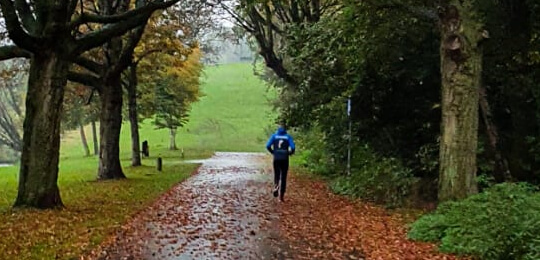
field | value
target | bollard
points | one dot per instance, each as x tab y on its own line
145	149
182	153
159	164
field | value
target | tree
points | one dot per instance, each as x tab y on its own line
514	100
171	109
268	23
167	93
106	78
314	61
77	113
93	116
175	93
462	30
36	29
169	33
133	115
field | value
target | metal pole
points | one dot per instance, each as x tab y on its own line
350	137
349	149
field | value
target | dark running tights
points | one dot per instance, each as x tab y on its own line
280	173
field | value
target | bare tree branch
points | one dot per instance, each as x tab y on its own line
85	79
15	30
11	104
107	19
88	64
27	19
10	52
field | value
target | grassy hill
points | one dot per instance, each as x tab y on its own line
231	116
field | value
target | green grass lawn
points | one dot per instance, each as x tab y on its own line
231	116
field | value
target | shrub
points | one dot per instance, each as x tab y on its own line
503	222
316	155
373	177
377	179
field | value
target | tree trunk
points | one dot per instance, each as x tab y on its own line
38	174
461	68
133	118
94	138
172	142
84	142
109	130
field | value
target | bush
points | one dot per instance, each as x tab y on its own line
373	177
503	222
315	154
377	179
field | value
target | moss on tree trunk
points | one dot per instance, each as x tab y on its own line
110	125
41	142
461	68
133	120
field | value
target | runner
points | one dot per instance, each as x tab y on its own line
281	145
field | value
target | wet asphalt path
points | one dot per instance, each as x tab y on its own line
225	211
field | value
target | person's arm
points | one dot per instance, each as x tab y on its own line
291	145
269	144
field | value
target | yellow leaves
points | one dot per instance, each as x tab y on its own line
183	70
162	35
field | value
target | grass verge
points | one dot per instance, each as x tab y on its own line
94	210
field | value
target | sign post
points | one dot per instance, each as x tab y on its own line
350	136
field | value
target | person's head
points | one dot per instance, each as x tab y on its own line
282	128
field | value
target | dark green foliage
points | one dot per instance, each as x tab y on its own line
394	86
375	178
510	75
315	155
503	222
385	55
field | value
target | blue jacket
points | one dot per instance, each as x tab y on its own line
279	144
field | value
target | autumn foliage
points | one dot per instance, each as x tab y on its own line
318	224
227	212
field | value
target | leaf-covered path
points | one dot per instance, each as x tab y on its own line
226	211
221	212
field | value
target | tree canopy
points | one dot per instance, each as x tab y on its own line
407	73
35	28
